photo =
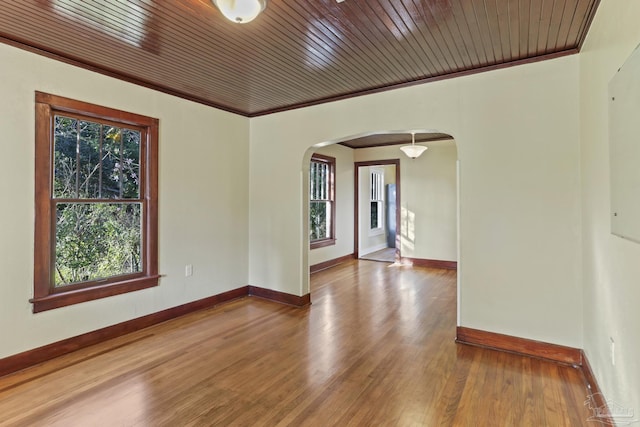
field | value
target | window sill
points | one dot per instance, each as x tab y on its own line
76	296
376	231
321	243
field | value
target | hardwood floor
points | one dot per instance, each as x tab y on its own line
383	255
375	348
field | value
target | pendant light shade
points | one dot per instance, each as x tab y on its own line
413	151
240	11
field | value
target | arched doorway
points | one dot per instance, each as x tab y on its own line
431	192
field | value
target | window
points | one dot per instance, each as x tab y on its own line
377	200
96	186
322	207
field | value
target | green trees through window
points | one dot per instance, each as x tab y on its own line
96	189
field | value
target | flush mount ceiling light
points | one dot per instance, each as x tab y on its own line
413	150
240	11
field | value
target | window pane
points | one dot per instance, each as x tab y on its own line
111	151
324	181
102	163
89	156
130	164
97	240
374	215
319	227
373	186
313	181
377	185
65	175
319	181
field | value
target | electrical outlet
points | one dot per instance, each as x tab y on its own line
188	270
613	352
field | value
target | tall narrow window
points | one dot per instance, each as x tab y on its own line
376	200
322	201
96	202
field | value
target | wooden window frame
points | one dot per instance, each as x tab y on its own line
331	240
45	295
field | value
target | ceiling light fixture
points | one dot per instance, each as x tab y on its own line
413	150
240	11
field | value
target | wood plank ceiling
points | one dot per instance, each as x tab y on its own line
296	53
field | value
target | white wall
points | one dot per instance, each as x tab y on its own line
344	206
517	131
203	205
427	199
610	264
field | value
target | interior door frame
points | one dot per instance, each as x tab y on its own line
356	207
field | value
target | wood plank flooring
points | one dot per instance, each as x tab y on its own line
376	348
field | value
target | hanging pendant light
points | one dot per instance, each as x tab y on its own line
240	11
413	151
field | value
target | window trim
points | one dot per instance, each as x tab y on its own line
331	240
45	297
